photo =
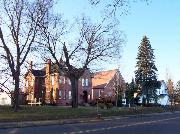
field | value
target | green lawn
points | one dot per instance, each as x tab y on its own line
27	113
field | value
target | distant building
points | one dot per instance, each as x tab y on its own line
162	95
5	99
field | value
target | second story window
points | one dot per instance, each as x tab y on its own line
83	82
60	94
87	82
60	79
52	80
69	81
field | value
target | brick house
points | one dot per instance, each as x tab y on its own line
52	86
104	84
34	84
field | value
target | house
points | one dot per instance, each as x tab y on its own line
59	86
51	86
105	84
162	95
5	99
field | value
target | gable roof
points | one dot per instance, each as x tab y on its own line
101	79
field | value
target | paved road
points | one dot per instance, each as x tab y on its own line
151	124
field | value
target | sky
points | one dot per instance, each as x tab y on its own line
159	21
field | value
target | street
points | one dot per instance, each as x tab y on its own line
147	124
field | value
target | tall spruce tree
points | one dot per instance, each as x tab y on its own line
145	74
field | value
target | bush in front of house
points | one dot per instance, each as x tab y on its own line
101	105
109	105
92	103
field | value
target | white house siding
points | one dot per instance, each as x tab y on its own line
163	94
163	98
4	99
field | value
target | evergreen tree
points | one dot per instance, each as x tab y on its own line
145	74
131	89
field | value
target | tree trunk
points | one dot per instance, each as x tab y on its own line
16	94
147	95
74	89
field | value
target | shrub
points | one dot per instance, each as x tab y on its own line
93	103
101	105
109	105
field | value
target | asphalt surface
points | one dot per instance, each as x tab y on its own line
168	123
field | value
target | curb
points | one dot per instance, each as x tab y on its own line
72	121
45	123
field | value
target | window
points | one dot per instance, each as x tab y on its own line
99	93
64	94
52	80
86	82
60	79
60	94
109	94
83	82
69	95
69	81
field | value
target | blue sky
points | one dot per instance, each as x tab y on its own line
159	21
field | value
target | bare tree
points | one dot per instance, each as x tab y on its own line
18	32
94	43
112	7
170	88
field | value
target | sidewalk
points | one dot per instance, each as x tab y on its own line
70	121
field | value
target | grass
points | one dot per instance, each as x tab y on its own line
28	113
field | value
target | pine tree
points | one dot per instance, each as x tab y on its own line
131	89
145	74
